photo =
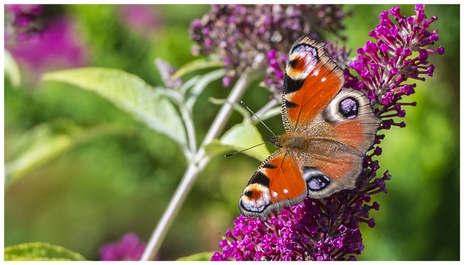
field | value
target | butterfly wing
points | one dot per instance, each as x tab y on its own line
337	125
277	183
328	129
311	81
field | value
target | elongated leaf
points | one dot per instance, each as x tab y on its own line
189	83
40	251
215	147
237	107
130	93
195	91
44	144
196	65
12	69
271	113
239	137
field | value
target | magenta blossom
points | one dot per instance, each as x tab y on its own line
329	228
42	44
57	44
21	21
130	247
143	19
399	53
241	35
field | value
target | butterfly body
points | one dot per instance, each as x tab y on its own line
328	131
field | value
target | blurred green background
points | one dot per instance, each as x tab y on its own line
122	179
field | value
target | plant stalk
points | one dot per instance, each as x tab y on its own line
193	170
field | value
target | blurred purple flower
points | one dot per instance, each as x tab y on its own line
328	229
242	35
21	21
56	46
130	247
166	71
144	19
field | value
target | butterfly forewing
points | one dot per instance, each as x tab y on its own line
311	82
329	130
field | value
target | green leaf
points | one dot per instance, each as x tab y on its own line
189	83
195	65
44	143
200	85
40	251
215	147
202	256
12	69
237	107
130	93
271	113
238	138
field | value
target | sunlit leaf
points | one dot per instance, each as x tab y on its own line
237	107
271	113
42	144
200	85
40	251
196	65
11	69
238	138
202	256
130	93
189	83
215	147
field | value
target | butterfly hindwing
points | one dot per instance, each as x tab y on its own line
277	183
351	121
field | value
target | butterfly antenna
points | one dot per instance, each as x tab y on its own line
256	116
241	151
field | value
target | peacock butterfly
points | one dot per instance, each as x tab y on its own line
328	132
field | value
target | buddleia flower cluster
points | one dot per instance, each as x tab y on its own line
21	21
385	70
242	35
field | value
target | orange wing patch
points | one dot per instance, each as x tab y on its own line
329	130
311	82
278	182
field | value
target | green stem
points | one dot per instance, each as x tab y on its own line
188	121
261	112
193	170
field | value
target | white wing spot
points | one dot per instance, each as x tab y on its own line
285	191
315	72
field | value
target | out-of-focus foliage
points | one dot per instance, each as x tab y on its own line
419	217
102	188
40	252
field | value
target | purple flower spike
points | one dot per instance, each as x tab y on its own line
329	228
22	21
130	247
57	41
397	38
326	229
247	32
